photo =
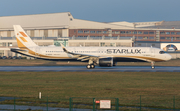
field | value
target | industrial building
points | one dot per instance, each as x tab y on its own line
50	29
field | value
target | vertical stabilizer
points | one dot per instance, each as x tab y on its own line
23	40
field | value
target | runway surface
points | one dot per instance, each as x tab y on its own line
83	69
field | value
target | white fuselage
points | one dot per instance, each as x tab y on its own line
139	53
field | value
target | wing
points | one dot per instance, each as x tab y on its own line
82	57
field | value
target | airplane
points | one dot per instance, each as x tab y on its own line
102	56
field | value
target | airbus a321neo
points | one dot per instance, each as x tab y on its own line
102	56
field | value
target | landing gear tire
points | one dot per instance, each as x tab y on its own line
90	66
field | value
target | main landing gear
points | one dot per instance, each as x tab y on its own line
152	65
90	66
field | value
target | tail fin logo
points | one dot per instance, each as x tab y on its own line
22	38
23	34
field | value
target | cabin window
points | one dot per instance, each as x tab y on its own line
161	52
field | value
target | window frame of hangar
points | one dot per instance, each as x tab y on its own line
177	33
3	44
151	32
99	32
122	32
167	33
92	31
104	32
116	32
134	32
140	32
177	38
168	38
80	31
86	31
151	38
145	37
173	33
140	38
128	32
174	38
153	45
139	44
145	32
10	44
162	33
162	38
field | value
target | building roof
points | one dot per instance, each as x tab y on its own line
166	25
38	21
85	24
66	21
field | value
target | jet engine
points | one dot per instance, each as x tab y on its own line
105	62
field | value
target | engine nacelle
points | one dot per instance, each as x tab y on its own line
105	62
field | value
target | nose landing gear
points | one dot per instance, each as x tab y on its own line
152	65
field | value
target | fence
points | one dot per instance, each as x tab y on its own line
76	103
135	103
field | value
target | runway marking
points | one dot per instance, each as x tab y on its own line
83	69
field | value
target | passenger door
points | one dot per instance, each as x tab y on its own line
152	52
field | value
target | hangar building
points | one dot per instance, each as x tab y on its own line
49	29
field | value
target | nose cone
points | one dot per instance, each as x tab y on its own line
168	57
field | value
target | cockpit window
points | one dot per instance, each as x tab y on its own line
161	52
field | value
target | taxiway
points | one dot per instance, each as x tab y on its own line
83	69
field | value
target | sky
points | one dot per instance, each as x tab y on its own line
98	10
